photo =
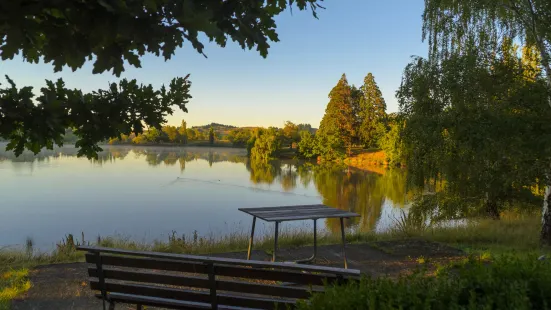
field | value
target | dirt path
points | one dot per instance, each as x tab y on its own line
64	286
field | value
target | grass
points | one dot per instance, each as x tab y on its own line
514	233
12	284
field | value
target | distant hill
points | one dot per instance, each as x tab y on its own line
216	126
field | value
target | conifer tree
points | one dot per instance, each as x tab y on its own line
372	111
337	126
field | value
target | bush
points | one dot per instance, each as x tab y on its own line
507	283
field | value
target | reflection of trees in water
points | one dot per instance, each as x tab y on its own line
348	189
262	172
153	156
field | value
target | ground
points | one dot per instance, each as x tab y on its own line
64	286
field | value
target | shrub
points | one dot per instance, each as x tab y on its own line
507	283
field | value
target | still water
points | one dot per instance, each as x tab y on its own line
145	193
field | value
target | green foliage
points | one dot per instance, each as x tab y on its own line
266	145
508	282
115	32
307	145
182	131
371	112
211	135
391	142
291	133
485	133
336	132
449	26
34	123
172	133
239	137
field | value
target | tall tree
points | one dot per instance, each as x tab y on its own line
449	25
371	111
183	132
337	125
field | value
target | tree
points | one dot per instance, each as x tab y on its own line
33	123
391	142
211	135
68	33
337	125
110	33
485	139
239	137
371	111
172	133
191	134
307	145
450	25
182	130
290	133
306	127
266	145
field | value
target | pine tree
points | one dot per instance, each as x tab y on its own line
372	111
337	126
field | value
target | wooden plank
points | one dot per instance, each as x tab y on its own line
219	260
313	213
189	295
265	289
150	277
280	208
165	302
264	212
157	302
275	275
149	263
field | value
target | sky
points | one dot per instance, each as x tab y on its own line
239	87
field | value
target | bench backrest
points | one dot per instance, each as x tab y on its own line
218	281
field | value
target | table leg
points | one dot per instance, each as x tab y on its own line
275	241
251	240
307	260
343	243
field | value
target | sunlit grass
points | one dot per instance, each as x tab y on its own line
513	232
12	284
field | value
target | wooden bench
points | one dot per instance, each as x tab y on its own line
199	282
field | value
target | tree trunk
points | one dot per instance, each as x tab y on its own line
492	209
545	236
546	218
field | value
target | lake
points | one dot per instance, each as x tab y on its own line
145	193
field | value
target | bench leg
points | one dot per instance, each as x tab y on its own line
343	243
138	307
275	241
251	240
111	305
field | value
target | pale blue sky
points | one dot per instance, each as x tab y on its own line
241	88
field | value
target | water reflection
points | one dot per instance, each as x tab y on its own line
368	193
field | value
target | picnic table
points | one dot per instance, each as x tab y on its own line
297	213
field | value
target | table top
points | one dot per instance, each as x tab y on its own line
296	213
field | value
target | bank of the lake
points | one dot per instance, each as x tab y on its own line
398	251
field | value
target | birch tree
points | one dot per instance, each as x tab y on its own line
450	25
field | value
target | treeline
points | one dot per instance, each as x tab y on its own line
168	134
355	117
